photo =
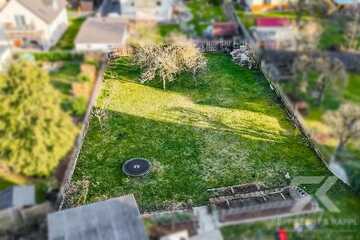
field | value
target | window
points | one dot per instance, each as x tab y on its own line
20	21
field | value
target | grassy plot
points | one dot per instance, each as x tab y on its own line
67	40
229	129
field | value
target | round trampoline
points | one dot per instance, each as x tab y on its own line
136	167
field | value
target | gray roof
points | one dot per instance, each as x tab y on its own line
114	219
102	30
17	196
44	9
110	7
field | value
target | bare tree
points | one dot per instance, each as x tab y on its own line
166	60
300	70
331	73
101	111
157	61
352	31
345	125
189	57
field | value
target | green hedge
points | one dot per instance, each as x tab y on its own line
58	56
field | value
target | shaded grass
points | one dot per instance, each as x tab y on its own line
167	29
4	184
228	129
67	40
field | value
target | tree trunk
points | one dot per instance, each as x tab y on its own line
321	90
339	149
164	84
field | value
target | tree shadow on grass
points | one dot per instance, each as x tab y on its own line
186	160
224	85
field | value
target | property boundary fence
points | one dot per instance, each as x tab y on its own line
293	114
80	139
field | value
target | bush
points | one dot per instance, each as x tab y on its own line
58	56
215	2
79	106
83	78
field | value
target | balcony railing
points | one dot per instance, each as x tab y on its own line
9	27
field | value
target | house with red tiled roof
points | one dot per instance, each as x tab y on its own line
275	33
224	29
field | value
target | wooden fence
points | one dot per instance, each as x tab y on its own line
80	139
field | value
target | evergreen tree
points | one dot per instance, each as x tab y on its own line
35	134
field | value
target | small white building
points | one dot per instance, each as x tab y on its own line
275	33
34	23
99	34
153	10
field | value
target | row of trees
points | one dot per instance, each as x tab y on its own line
168	59
35	133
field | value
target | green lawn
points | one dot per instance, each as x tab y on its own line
227	130
67	40
204	14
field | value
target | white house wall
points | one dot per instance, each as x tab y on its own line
14	8
4	59
130	9
97	47
57	28
51	33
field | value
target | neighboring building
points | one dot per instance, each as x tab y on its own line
3	39
155	10
101	34
86	6
2	3
114	219
35	23
264	5
224	29
17	196
275	33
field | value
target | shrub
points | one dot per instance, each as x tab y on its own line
58	56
